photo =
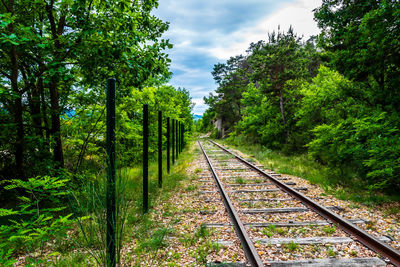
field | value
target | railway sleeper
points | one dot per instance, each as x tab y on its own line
265	190
260	184
313	240
234	176
272	199
241	185
251	191
330	262
286	224
285	210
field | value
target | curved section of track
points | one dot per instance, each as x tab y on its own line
252	256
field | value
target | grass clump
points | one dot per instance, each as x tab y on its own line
292	246
197	170
329	229
269	231
240	180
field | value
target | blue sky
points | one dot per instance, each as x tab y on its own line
206	32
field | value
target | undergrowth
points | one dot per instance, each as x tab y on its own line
302	166
72	232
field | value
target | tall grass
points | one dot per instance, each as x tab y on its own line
89	206
303	166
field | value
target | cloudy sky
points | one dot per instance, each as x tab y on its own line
206	32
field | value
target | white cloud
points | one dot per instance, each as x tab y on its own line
200	107
299	15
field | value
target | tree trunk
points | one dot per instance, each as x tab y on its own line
55	123
53	86
44	115
18	120
34	104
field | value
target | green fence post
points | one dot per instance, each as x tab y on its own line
145	158
110	194
159	148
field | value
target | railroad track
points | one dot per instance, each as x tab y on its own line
273	219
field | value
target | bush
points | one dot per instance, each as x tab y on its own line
37	217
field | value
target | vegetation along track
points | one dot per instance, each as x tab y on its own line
279	226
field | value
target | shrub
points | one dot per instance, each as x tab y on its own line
36	218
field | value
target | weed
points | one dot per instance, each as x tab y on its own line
316	249
267	233
281	231
191	188
354	206
157	240
200	234
302	230
197	170
235	257
332	253
329	229
204	250
393	210
292	246
239	180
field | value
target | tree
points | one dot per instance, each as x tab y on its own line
346	133
54	49
362	40
276	62
84	132
232	78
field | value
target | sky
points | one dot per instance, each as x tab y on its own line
208	32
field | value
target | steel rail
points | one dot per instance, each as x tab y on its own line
358	234
248	246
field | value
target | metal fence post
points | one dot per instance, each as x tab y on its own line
177	139
110	195
183	135
173	141
145	158
176	142
168	152
180	137
159	148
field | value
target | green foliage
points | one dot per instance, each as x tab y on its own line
329	229
344	116
85	147
349	135
292	246
156	241
361	40
258	94
269	231
56	57
37	218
